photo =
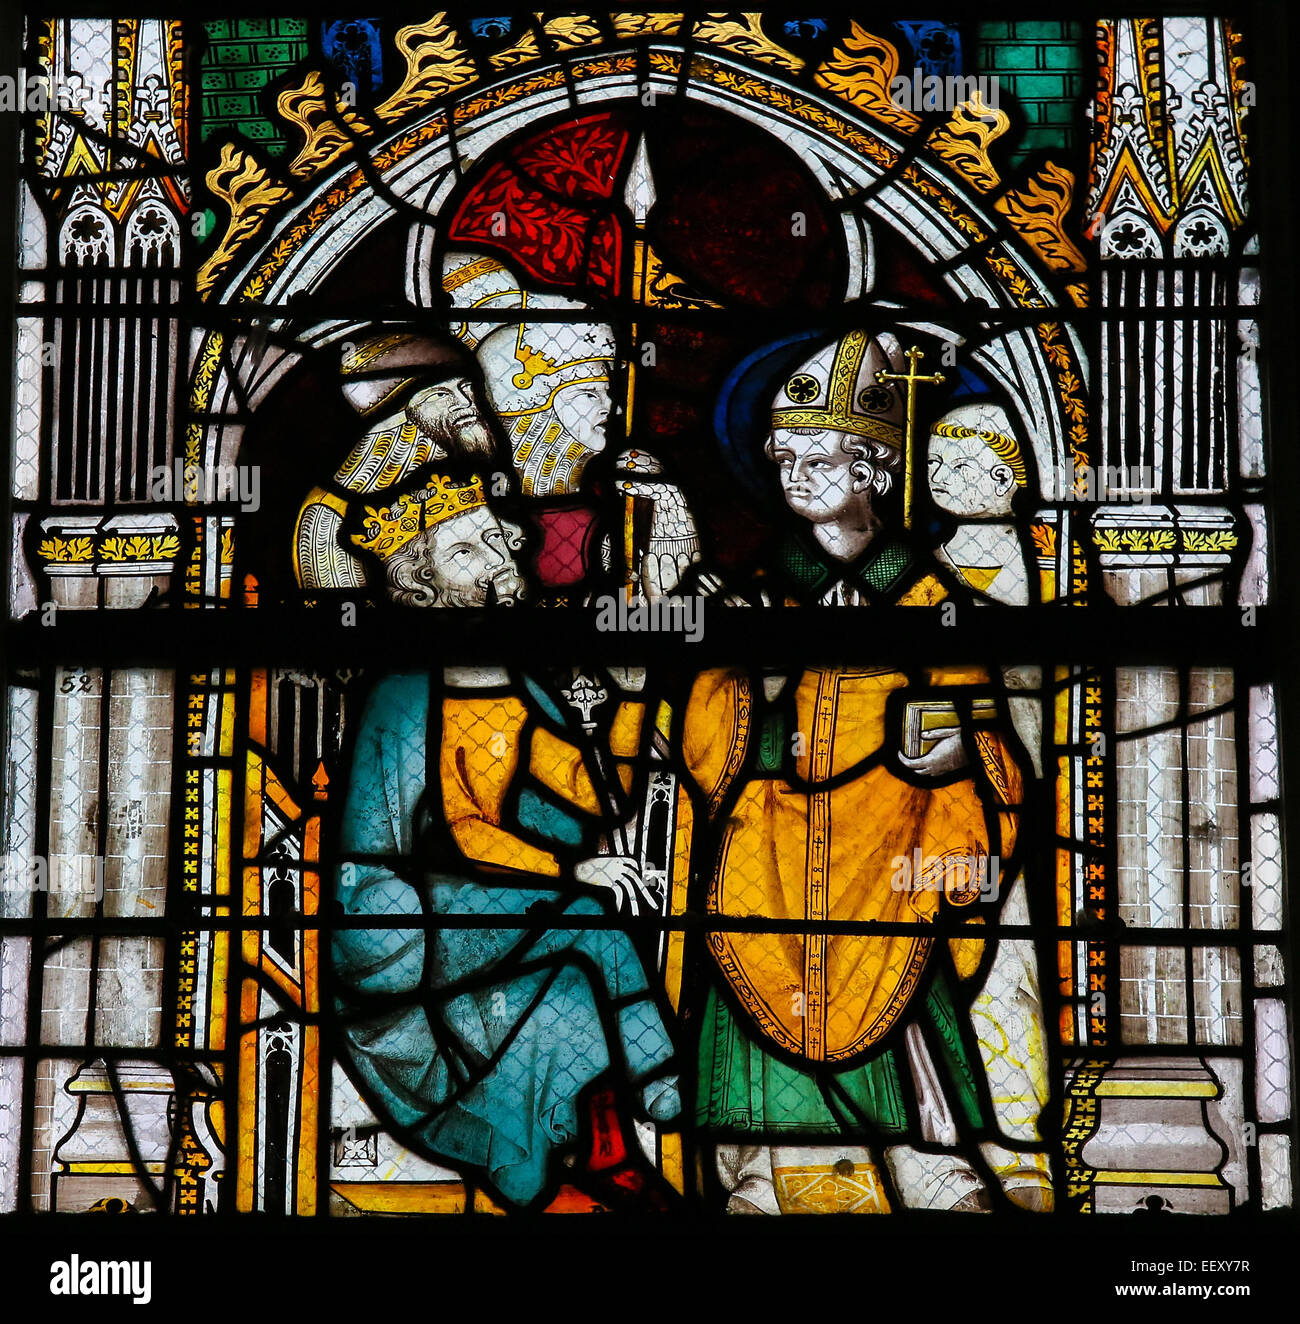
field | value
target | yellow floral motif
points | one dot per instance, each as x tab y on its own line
117	548
124	549
1164	540
66	551
400	148
1057	355
1044	537
1074	405
205	376
1136	540
1218	541
501	96
227	547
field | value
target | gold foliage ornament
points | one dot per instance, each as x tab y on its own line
524	51
1037	212
860	72
328	132
436	63
641	25
965	140
66	551
250	193
568	32
742	34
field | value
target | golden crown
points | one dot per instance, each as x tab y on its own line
385	531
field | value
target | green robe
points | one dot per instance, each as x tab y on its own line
743	1087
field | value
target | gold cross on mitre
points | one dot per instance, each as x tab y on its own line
911	377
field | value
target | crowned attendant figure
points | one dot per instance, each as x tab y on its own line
549	383
442	546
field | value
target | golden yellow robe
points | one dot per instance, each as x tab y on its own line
486	747
817	848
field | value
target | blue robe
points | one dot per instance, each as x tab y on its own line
484	1076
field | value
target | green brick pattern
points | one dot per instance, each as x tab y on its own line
1043	64
243	56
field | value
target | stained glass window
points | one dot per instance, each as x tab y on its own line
643	614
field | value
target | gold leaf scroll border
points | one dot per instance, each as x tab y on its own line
201	387
753	88
1058	352
744	84
45	64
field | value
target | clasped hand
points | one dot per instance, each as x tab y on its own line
622	875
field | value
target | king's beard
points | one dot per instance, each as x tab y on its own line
413	582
